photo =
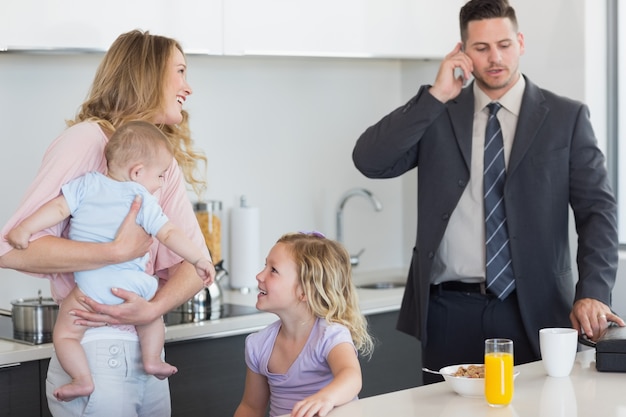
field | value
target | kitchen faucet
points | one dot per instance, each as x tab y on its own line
354	259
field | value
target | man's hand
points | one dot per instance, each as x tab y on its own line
447	86
131	240
591	317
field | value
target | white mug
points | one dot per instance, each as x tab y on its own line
558	350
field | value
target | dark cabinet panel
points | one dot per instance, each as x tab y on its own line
43	371
395	363
210	378
19	390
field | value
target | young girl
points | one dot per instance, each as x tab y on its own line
306	363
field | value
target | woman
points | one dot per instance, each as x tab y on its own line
141	77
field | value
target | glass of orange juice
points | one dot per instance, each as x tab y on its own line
498	372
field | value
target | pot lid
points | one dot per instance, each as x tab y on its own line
35	302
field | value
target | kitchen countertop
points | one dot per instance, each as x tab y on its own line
371	302
586	392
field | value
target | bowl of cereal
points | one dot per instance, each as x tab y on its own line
467	380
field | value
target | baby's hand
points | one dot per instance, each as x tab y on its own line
18	237
206	271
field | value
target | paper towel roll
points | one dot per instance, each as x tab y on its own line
245	240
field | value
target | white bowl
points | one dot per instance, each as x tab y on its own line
464	386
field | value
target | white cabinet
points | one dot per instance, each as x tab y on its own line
346	28
94	25
327	28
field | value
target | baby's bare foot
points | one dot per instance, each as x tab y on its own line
160	369
73	390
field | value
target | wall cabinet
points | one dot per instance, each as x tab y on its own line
326	28
347	28
91	25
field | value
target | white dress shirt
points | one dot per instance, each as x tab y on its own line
461	255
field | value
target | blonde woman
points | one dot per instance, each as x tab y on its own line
141	77
306	363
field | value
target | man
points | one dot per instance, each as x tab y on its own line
547	160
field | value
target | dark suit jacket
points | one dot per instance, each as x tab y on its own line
555	163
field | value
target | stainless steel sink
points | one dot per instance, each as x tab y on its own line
382	285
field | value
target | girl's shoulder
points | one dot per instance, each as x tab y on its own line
325	336
263	338
326	325
330	332
266	332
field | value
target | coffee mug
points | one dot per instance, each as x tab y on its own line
558	350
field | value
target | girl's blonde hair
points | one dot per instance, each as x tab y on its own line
325	275
129	85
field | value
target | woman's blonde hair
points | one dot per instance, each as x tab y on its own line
325	275
129	85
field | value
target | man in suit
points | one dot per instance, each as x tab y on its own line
552	163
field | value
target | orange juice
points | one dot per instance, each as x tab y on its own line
498	378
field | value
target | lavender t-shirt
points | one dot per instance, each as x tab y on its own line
310	371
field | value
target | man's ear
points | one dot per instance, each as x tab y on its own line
135	172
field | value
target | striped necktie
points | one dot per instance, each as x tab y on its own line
500	277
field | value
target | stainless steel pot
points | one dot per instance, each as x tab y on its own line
34	318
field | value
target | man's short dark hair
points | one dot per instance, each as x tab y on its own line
485	9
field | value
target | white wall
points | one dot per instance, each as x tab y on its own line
281	130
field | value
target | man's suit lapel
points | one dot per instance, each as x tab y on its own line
531	117
461	111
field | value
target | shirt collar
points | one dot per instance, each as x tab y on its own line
512	100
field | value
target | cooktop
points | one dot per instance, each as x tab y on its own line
172	318
225	310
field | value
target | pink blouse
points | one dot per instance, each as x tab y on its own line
78	150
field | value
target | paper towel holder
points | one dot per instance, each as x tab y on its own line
242	276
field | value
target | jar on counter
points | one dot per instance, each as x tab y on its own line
209	215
